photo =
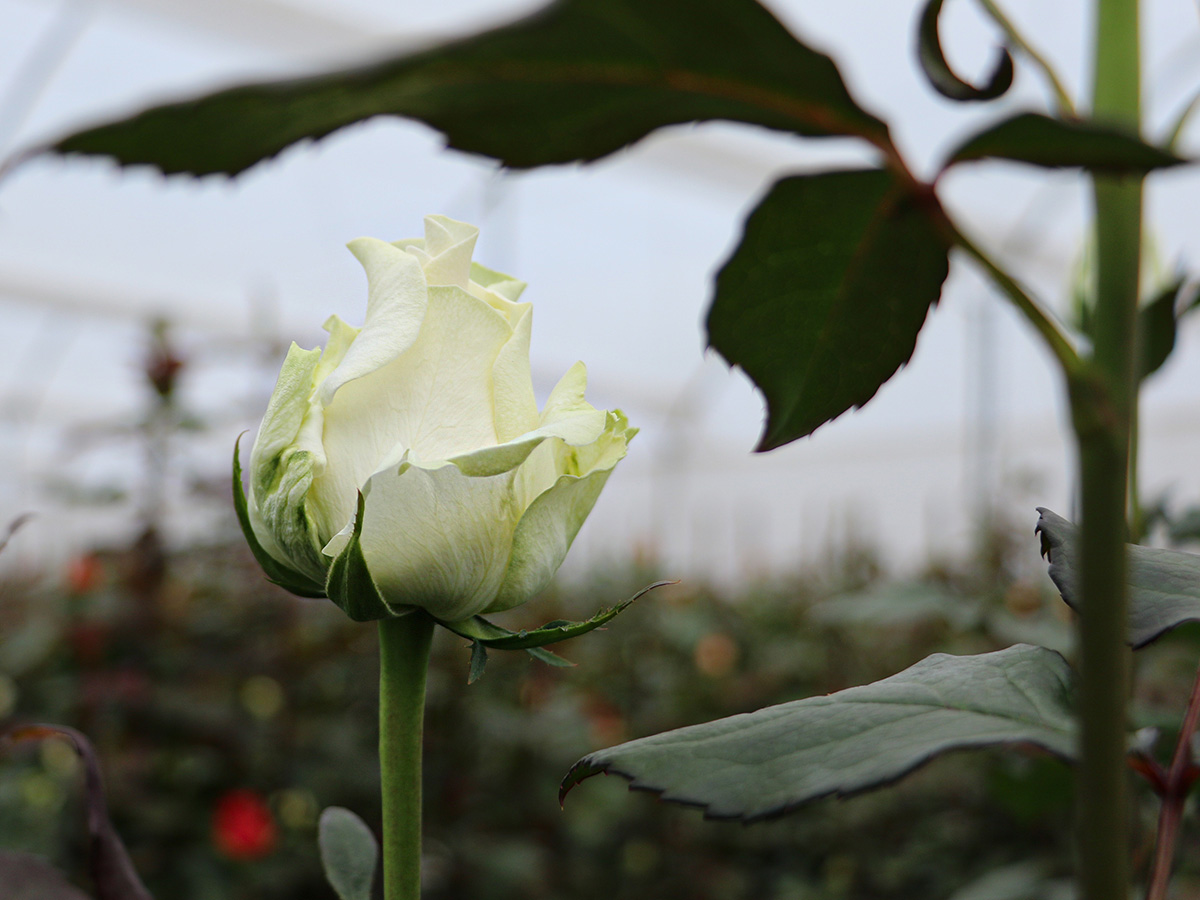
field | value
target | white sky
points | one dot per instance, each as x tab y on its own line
619	256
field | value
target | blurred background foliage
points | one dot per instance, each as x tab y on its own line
228	713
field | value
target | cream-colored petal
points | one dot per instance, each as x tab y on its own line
434	401
569	417
449	245
574	419
562	433
515	405
396	302
505	285
341	336
437	538
545	534
554	517
543	537
512	312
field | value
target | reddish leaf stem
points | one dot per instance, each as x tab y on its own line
1174	794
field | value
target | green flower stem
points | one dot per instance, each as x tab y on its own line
1103	399
403	662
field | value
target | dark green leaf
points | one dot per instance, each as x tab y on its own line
1156	330
1164	585
938	71
576	81
488	634
822	301
276	572
1060	143
350	584
769	762
112	871
349	853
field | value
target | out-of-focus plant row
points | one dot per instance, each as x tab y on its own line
227	715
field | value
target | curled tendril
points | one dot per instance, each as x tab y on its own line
942	77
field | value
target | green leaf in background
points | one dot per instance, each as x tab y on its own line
575	81
822	300
1158	322
1164	585
769	762
938	71
898	605
1156	325
349	853
1060	143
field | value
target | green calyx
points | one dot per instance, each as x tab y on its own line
485	635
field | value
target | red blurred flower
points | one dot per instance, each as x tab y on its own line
84	573
243	827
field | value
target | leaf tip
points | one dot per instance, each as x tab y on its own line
478	662
581	771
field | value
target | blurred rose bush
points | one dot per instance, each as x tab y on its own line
406	465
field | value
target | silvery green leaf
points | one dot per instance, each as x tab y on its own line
349	853
1164	585
769	762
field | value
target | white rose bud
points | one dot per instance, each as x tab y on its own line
406	465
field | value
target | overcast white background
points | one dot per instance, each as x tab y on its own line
619	256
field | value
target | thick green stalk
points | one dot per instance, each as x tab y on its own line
1103	400
403	663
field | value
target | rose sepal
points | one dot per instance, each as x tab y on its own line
350	584
477	628
277	573
485	635
482	633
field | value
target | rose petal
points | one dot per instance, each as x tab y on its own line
396	302
515	405
437	538
434	400
549	526
449	245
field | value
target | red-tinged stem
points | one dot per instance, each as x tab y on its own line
1179	781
